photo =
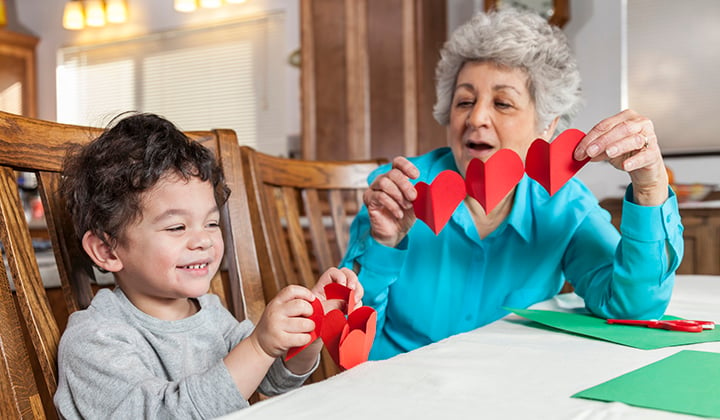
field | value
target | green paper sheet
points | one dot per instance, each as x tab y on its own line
634	336
687	382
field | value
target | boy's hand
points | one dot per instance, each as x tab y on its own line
285	322
343	276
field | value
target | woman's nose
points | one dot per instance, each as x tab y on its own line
478	116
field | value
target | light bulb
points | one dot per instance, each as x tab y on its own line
116	11
94	13
73	16
185	5
210	4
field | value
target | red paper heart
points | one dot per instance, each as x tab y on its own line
338	291
489	182
436	202
552	164
348	340
333	325
317	316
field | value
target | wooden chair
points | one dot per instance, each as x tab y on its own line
29	332
301	214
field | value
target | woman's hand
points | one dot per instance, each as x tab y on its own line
628	141
389	202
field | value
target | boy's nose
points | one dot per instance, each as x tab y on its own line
202	240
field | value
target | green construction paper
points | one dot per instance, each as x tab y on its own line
634	336
687	382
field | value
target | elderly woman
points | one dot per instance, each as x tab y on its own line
505	79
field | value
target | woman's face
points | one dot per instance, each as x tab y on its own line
491	110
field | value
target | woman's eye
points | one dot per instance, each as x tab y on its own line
502	105
465	104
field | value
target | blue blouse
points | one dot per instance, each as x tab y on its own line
430	287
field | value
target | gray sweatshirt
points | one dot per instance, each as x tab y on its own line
117	362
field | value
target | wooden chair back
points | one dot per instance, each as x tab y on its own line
302	213
29	332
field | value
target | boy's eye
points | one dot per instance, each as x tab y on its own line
213	225
178	228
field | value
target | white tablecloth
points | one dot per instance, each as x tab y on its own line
509	369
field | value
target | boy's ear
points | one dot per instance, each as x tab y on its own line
101	253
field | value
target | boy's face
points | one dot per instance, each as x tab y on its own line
175	249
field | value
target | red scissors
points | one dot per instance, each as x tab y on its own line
685	325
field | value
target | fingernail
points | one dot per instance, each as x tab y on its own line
612	151
593	150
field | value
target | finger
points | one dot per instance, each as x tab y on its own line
337	276
397	186
299	325
631	143
405	167
380	201
608	131
293	292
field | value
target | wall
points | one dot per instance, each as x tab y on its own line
44	19
595	31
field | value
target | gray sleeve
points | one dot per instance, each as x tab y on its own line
279	379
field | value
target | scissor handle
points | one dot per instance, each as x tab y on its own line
685	325
679	325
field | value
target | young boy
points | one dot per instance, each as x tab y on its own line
145	200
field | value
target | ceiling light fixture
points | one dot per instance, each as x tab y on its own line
185	5
73	16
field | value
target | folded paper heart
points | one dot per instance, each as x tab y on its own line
553	164
348	340
550	164
489	182
436	202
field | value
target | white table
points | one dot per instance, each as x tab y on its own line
506	370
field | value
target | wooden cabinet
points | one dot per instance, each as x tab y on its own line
17	73
367	77
702	236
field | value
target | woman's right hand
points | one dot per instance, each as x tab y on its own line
389	202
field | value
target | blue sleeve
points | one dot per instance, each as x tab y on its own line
376	265
633	277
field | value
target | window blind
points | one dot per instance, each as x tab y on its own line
673	52
225	76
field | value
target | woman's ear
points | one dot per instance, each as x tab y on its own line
101	253
549	131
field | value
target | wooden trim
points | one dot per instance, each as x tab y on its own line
308	100
357	82
410	77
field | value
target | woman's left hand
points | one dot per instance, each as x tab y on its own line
628	141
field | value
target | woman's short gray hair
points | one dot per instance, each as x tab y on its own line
514	39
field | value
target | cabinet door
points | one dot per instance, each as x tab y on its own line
17	73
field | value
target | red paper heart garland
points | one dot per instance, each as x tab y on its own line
348	340
550	164
489	182
436	202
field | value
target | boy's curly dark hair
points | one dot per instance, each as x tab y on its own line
103	180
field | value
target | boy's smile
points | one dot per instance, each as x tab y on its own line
174	250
